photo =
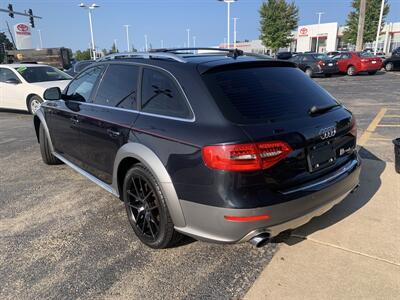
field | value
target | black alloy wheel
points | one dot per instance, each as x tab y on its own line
146	208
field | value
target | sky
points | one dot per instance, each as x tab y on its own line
65	24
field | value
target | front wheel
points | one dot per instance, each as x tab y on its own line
147	209
47	157
34	104
309	72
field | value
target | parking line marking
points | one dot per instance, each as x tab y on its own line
388	125
371	127
380	139
392	116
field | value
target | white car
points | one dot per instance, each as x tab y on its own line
22	85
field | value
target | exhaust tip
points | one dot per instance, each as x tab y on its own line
260	240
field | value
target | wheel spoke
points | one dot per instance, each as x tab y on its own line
134	185
152	208
152	220
149	193
151	229
133	195
137	207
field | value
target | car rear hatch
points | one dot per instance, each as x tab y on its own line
280	104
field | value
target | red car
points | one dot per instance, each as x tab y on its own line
353	63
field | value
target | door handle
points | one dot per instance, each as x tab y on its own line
113	133
74	119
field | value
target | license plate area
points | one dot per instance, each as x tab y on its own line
321	155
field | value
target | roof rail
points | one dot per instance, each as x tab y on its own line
231	52
146	55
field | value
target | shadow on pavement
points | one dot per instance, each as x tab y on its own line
14	111
372	168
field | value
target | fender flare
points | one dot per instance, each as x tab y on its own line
152	162
40	116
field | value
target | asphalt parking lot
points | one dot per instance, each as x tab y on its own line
61	236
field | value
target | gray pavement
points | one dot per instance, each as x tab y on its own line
63	237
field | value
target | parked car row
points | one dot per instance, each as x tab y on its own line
347	62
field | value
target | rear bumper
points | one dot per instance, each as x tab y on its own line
207	222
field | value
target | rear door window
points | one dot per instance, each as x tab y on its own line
161	95
265	94
118	88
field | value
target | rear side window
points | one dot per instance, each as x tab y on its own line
257	95
118	87
160	95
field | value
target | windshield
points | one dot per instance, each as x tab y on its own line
321	56
41	74
265	94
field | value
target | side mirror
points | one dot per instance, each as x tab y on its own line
53	93
12	81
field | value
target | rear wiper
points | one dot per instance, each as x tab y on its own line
314	110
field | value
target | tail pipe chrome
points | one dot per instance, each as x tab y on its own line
260	240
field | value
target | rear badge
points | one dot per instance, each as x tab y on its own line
328	132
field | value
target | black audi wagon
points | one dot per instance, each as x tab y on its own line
215	144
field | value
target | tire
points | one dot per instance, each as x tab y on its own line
47	157
328	75
372	72
34	104
309	72
389	67
351	71
147	209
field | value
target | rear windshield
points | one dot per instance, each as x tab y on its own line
321	56
265	94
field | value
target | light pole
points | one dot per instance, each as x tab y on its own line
319	22
40	38
162	44
90	8
115	45
127	37
228	2
188	37
379	27
194	42
234	31
145	42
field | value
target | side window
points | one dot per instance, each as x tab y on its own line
306	58
346	56
6	74
118	87
160	95
339	56
81	87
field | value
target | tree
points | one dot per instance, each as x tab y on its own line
83	55
114	48
277	21
371	21
5	44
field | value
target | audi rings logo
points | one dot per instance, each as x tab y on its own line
328	132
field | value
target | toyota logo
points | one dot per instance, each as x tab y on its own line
22	27
328	132
303	31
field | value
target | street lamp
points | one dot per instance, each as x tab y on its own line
228	2
90	8
234	32
319	22
145	42
127	37
188	37
40	38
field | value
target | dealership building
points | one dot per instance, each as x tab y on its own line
330	38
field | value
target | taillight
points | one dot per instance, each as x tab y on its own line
245	157
321	63
353	129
